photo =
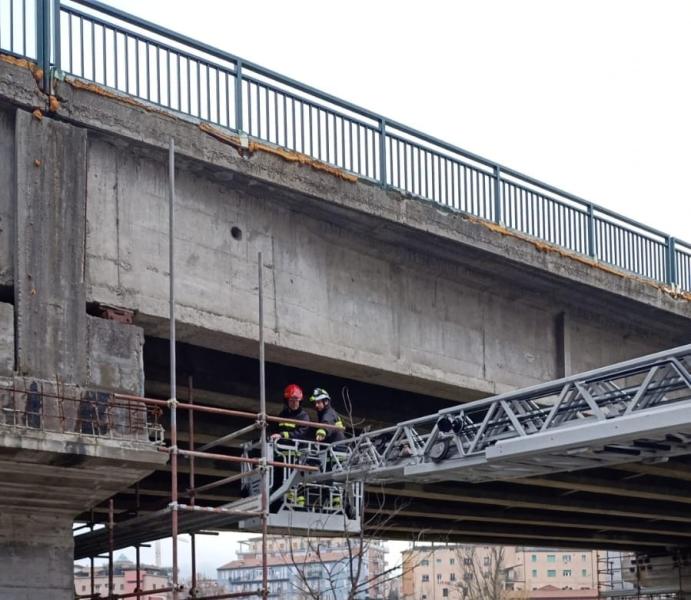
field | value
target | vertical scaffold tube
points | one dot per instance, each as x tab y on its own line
111	545
173	390
262	412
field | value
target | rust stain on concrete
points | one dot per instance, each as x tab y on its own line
549	248
101	91
254	146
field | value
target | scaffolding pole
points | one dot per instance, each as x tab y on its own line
173	390
264	448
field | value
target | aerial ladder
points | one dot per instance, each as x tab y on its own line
638	410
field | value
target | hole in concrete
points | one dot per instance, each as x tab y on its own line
7	294
236	232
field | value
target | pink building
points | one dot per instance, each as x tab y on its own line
463	572
124	579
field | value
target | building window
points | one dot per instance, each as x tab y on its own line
438	577
467	561
566	573
534	558
439	561
467	576
534	572
452	577
551	572
551	558
424	563
566	558
452	561
584	573
584	557
445	593
486	561
425	578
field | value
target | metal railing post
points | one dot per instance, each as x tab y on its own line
238	96
592	247
43	27
382	152
55	8
498	212
671	260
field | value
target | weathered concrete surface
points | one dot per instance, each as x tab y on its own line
6	339
115	356
28	540
50	221
340	297
7	181
48	477
361	282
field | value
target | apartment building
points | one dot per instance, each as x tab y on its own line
308	567
461	572
151	579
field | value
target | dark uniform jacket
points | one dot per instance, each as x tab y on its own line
291	431
330	417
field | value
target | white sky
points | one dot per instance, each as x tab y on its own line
591	96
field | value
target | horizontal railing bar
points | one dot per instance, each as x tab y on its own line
141	38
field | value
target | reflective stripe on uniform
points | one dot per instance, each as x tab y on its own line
288	425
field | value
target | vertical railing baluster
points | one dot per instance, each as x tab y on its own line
382	152
238	96
592	246
498	216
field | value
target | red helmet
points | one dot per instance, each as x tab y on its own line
292	390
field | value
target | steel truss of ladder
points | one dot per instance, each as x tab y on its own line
632	411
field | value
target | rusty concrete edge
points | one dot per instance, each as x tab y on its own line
53	106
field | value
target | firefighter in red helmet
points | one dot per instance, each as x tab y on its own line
292	395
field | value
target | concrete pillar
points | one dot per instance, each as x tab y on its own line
37	556
49	472
7	184
50	300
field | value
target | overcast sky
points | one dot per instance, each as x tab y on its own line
591	96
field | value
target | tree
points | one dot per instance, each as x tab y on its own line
486	574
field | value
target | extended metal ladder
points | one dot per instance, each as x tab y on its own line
632	411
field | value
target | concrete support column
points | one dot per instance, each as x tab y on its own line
37	556
50	299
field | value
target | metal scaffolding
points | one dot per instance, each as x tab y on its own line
191	517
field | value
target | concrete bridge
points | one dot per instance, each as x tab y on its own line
411	304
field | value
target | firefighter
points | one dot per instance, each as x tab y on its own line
327	415
292	395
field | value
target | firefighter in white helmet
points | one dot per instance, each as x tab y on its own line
328	416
